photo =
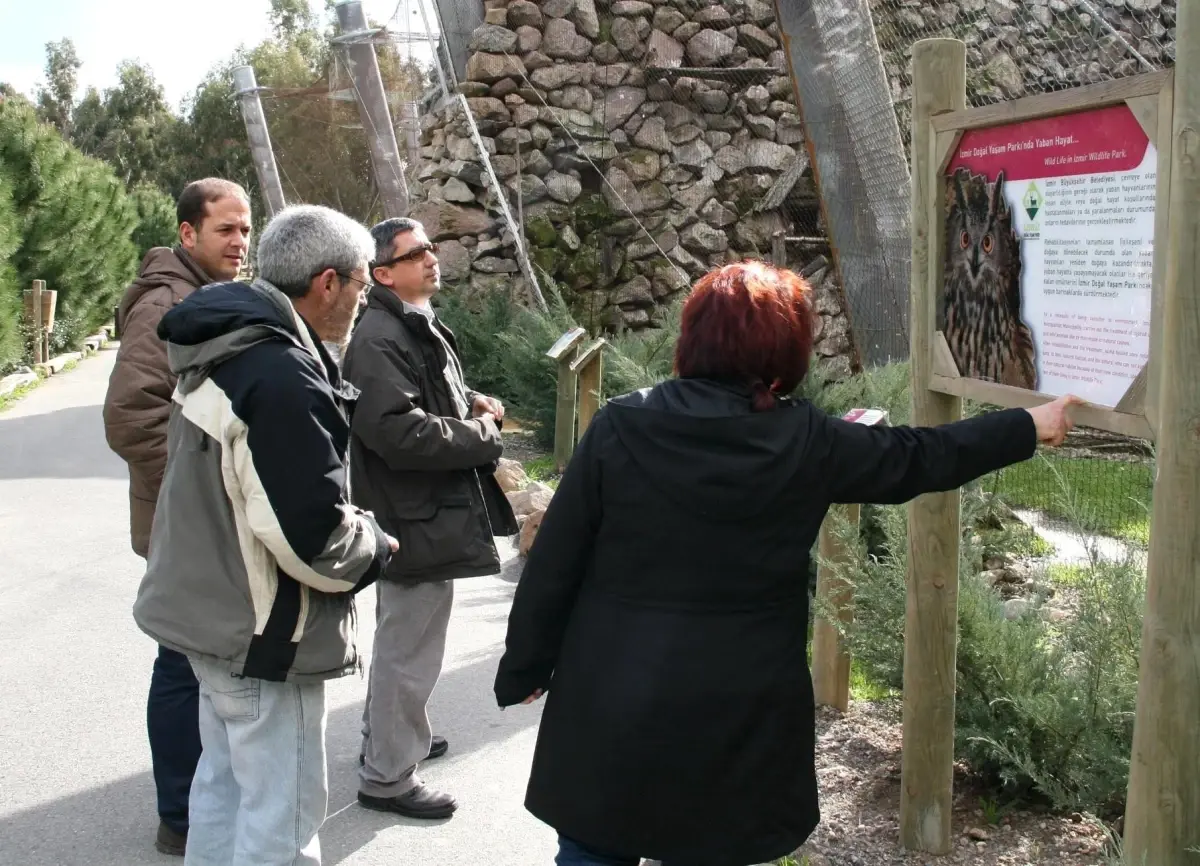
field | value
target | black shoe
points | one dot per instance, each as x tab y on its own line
420	802
437	748
169	842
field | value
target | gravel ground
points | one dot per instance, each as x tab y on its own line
858	767
520	444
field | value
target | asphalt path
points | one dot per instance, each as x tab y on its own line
75	782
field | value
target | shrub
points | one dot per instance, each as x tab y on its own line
503	347
75	219
12	349
1044	708
156	219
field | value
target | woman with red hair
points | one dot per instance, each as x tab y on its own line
664	604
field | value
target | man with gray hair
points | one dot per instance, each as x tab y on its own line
256	552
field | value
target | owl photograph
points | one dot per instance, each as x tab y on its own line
980	313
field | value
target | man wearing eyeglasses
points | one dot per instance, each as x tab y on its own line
423	450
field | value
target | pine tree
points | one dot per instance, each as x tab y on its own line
76	222
11	348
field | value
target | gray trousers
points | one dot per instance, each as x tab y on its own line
410	645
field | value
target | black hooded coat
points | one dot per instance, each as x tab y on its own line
664	608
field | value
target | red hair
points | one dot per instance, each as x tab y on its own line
748	323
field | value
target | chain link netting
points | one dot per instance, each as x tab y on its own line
642	144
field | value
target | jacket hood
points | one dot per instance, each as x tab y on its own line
163	267
702	445
223	320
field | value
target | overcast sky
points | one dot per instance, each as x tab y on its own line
179	41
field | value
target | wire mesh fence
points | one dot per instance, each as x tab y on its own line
641	144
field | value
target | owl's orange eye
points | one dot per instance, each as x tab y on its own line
964	240
987	243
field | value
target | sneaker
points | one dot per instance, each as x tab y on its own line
421	802
437	748
169	842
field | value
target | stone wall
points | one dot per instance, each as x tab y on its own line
633	178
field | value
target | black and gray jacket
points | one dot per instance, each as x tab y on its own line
418	461
256	551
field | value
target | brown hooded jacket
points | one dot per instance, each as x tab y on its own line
138	404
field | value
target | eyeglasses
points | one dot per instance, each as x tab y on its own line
364	283
413	255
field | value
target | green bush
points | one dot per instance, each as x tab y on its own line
503	347
156	219
1044	706
12	349
75	218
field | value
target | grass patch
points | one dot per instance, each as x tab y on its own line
8	400
863	689
542	469
1066	575
1110	497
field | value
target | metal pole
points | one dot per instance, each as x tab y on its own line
372	101
412	132
246	89
436	45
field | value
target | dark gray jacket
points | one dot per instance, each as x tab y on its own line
417	460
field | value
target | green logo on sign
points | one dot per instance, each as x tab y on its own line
1033	200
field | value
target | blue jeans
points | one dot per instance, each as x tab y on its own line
572	853
172	722
261	788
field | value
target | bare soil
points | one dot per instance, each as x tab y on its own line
858	770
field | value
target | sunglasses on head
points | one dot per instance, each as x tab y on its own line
413	255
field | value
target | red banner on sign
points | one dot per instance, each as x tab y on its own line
1088	142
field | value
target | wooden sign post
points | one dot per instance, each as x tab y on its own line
563	352
931	621
1162	818
1090	199
589	370
830	658
40	307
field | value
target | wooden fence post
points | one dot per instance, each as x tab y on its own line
33	315
589	368
563	353
830	659
1162	817
931	621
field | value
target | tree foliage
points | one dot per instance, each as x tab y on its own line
75	220
131	128
11	348
156	219
56	98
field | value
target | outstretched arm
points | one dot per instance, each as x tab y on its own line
890	465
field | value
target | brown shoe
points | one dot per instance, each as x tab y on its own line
169	842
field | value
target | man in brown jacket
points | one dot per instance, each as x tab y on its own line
214	236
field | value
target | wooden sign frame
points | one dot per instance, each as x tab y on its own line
1150	97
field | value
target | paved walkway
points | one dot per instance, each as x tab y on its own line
75	784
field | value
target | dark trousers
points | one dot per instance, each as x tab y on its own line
173	722
572	853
